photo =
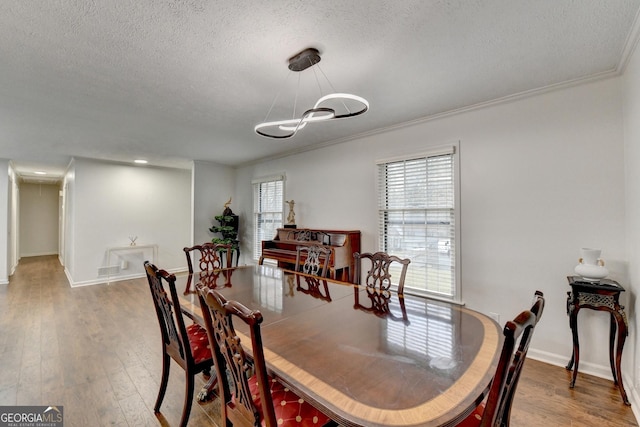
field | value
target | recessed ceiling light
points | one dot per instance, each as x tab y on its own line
140	161
40	173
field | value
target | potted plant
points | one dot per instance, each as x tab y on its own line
228	228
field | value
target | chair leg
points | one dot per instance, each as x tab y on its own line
166	365
188	399
208	391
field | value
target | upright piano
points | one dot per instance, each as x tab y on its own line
342	244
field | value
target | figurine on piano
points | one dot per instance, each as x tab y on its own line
291	218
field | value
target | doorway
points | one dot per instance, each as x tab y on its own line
39	213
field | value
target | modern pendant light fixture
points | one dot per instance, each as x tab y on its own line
327	107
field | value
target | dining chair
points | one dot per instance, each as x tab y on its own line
316	261
249	396
188	345
496	411
378	276
209	258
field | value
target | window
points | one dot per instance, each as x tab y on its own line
268	194
418	219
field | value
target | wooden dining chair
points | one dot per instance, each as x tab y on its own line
188	345
249	396
209	257
378	276
496	411
316	261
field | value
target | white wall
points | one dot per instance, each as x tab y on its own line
540	178
38	219
213	185
107	203
631	90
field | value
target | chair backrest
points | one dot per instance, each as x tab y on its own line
316	261
238	406
379	277
209	256
172	327
497	410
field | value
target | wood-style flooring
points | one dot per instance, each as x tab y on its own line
95	350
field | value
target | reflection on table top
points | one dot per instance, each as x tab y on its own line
365	359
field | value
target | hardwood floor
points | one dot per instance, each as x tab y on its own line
96	351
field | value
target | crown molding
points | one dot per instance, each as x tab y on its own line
630	44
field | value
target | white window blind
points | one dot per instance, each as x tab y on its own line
417	198
268	194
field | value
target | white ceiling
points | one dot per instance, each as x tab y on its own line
172	81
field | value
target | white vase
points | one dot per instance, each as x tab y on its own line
591	267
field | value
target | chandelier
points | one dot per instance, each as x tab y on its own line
328	107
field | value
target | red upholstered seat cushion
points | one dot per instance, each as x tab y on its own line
474	418
291	410
200	348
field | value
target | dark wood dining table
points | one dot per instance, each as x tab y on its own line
364	360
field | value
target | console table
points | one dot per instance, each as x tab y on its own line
602	296
110	251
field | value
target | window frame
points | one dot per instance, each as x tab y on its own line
452	149
255	185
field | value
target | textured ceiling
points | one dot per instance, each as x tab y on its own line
173	81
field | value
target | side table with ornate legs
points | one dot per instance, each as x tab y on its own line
602	296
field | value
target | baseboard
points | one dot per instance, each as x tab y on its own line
560	360
104	280
113	279
66	273
38	254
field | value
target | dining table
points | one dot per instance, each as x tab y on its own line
365	358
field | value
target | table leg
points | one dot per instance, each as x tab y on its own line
570	364
570	307
622	336
575	358
227	277
612	340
